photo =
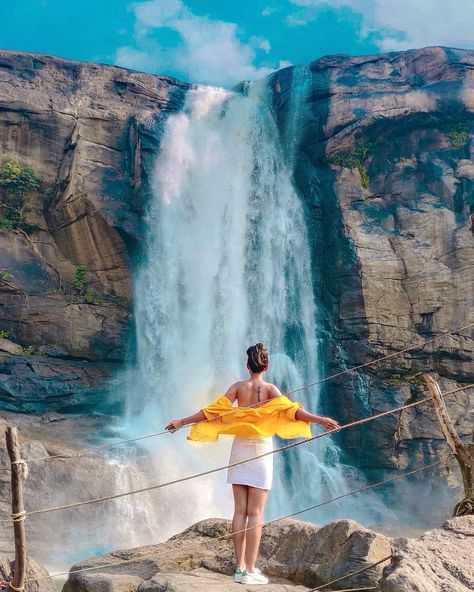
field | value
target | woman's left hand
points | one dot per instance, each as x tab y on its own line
174	425
329	424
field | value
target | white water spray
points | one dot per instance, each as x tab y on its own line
227	264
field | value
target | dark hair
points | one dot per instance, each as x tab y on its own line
257	357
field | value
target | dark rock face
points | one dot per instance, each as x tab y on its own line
384	166
86	129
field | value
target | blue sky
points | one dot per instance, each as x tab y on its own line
224	41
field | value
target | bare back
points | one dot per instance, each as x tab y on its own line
251	392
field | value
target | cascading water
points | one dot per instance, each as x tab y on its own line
227	264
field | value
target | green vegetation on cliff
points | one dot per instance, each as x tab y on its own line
17	184
354	159
81	278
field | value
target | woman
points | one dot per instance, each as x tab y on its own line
261	412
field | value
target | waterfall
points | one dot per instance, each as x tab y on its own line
227	264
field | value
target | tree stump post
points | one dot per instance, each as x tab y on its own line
18	509
464	453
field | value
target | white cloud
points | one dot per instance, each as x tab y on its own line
426	22
209	51
260	43
268	10
403	24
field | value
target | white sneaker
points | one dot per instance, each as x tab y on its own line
255	577
239	574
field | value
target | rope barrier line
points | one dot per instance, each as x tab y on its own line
357	589
392	355
217	469
155	554
19	517
354	573
101	447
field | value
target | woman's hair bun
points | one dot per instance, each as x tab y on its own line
257	357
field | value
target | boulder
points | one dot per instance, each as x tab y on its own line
10	348
442	559
293	553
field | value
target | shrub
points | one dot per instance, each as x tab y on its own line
5	275
81	278
4	334
93	298
17	184
458	137
354	159
31	350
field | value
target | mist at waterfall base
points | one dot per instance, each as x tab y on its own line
227	264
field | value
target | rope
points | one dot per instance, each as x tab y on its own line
217	469
354	573
19	516
357	589
154	554
464	508
84	451
23	465
392	355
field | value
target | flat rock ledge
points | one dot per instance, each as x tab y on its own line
297	556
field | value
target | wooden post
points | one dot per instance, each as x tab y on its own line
464	453
17	471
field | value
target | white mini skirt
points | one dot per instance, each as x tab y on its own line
256	473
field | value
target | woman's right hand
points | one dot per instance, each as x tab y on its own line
174	425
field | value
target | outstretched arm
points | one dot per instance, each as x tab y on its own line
174	425
179	423
326	422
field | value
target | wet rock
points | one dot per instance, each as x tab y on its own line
35	383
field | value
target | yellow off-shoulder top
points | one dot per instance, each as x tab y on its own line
276	416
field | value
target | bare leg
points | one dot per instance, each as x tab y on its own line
239	523
257	498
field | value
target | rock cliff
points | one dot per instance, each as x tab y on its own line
85	128
385	167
